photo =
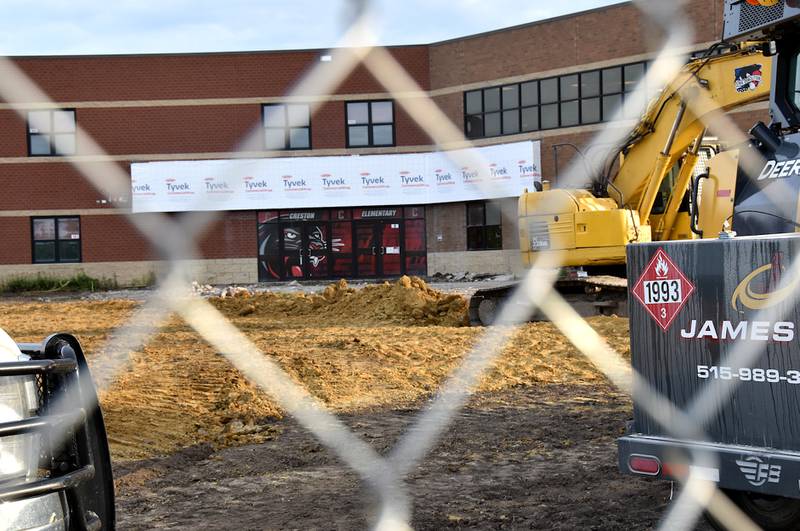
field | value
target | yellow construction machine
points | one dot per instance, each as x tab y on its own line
646	191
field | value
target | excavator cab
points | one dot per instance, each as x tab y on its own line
766	189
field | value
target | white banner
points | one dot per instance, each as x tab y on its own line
341	181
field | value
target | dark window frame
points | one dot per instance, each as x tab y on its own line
286	128
370	124
52	151
56	240
475	119
484	228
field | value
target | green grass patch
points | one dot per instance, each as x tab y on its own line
78	282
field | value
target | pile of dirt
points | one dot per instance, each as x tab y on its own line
352	349
409	301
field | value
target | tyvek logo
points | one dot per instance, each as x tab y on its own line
770	294
757	472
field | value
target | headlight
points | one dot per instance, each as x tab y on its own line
19	454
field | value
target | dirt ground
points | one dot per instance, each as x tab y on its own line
196	446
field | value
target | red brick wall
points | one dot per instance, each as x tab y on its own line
215	75
113	238
15	233
600	35
614	32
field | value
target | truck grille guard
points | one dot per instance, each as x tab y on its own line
74	460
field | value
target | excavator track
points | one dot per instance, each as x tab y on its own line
589	296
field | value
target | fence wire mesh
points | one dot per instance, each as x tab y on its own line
176	239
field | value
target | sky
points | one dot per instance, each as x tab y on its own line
65	27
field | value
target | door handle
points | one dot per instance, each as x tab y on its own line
383	251
374	250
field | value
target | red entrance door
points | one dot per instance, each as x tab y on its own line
391	263
378	248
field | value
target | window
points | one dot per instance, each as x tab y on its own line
564	101
51	132
56	239
370	123
287	126
484	226
793	81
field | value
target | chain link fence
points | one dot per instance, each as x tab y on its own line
176	240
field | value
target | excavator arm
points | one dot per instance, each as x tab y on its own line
586	230
676	120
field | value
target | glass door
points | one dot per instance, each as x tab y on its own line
367	244
292	251
316	250
391	262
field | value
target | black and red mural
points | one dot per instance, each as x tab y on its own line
341	243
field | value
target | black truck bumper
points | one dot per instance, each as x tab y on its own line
746	468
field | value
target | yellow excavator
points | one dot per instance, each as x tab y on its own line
646	191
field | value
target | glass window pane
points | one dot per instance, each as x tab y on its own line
530	93
475	126
530	119
415	235
491	124
69	229
274	116
493	214
299	139
549	116
342	237
610	106
569	113
64	144
590	84
511	97
634	105
298	115
633	73
474	214
548	90
491	99
40	144
39	122
382	112
357	113
69	251
590	110
612	80
275	138
44	251
382	135
510	122
494	237
63	121
358	136
569	87
44	229
475	240
417	265
474	103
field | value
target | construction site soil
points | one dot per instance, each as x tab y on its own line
195	445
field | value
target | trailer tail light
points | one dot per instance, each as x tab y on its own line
648	465
675	470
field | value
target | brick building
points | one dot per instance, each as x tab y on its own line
554	81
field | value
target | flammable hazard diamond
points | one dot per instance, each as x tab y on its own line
662	289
